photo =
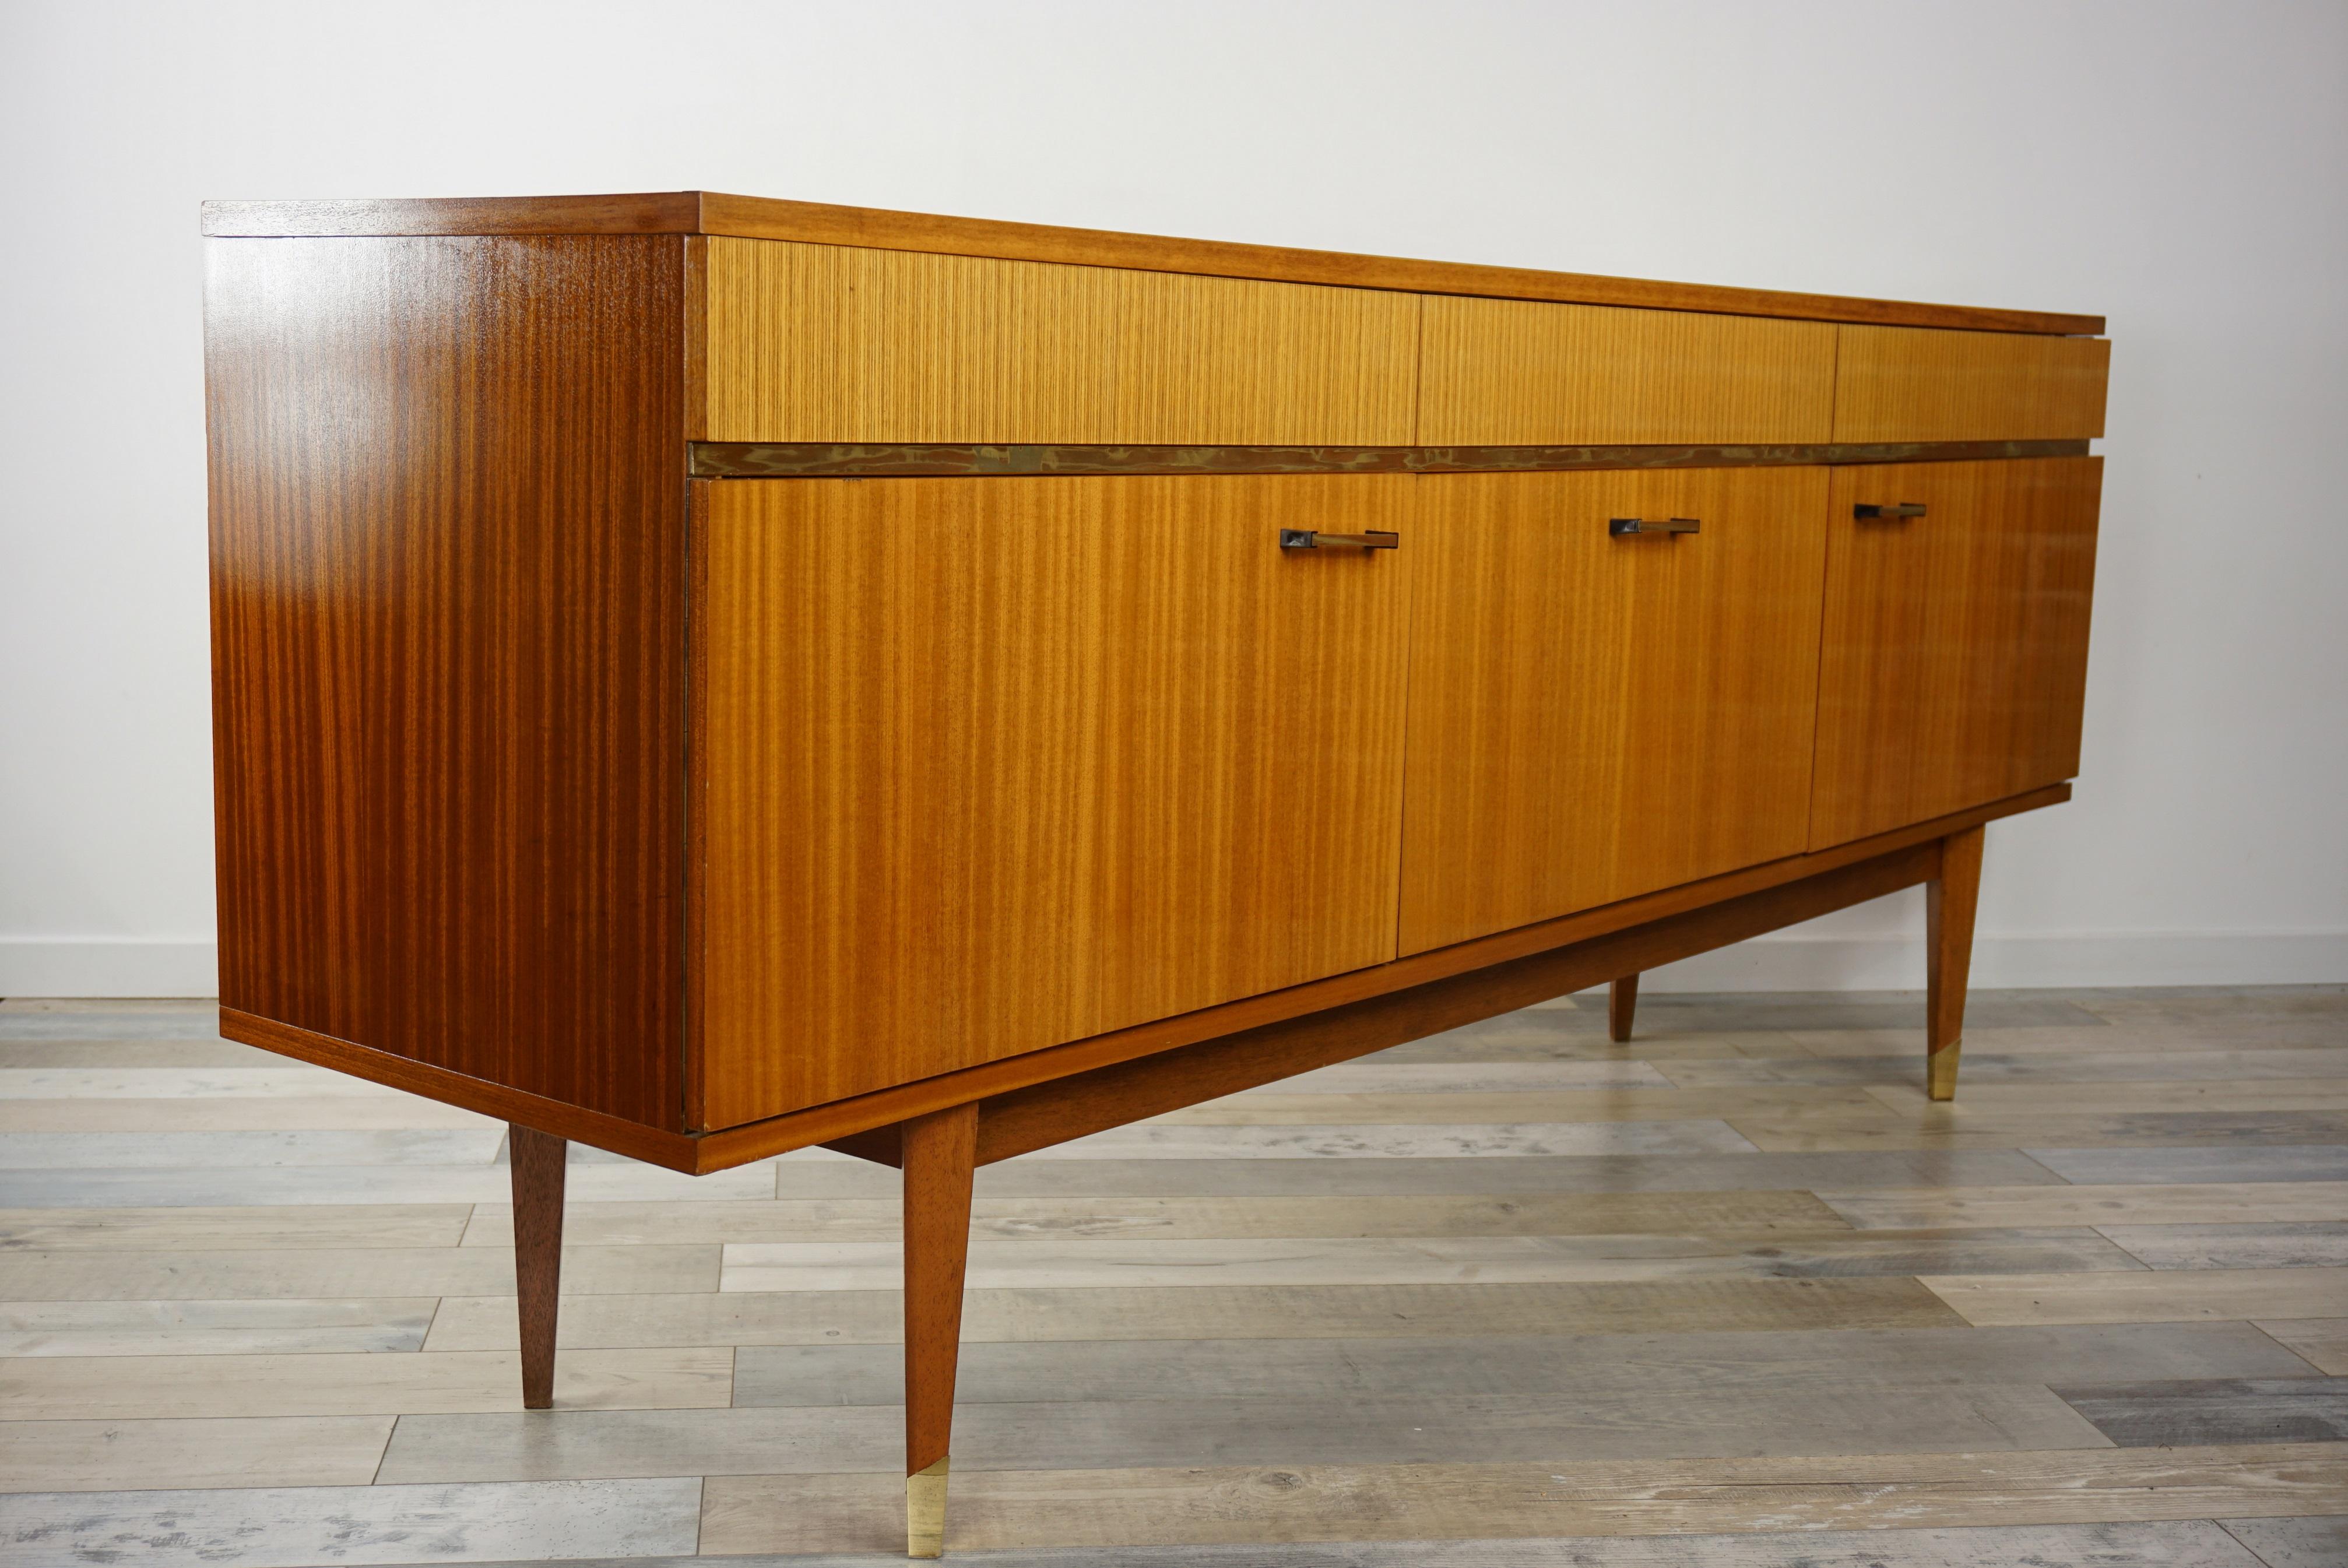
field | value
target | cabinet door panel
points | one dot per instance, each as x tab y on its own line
1954	660
988	765
1594	716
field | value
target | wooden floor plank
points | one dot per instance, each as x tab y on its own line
233	1230
91	1274
1989	1067
124	1151
299	1527
2173	1295
2139	1203
1493	1428
2185	1543
326	1114
1486	1141
2114	1167
1589	1365
2317	1543
2321	1342
2253	1246
404	1185
2117	1097
1795	1500
1416	1109
1219	1312
2204	1411
1193	1217
143	1455
213	1327
1059	1264
1994	1130
173	1386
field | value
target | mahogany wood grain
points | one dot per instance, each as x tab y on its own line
865	1124
1622	1008
939	1157
1595	717
1953	664
1502	372
1948	902
1911	384
988	767
1056	1111
829	343
838	1120
764	217
447	539
655	1146
538	1161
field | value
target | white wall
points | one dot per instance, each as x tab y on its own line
2180	167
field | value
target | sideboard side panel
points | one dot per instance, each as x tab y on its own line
449	554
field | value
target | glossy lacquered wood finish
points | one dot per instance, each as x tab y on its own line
829	343
1911	384
811	223
989	766
1953	664
1502	372
939	1154
1595	717
447	544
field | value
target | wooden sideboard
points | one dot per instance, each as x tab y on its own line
706	676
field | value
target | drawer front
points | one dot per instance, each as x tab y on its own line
988	765
1516	373
1592	715
830	343
1954	663
1923	384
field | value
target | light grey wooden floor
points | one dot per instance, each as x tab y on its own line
1736	1294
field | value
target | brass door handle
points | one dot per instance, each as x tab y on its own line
1867	512
1307	539
1621	526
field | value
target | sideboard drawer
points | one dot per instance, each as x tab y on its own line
837	344
1954	666
1595	715
983	766
1930	383
1518	373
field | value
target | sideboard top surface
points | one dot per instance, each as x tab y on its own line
762	218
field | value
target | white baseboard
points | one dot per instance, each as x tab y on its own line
107	966
1792	961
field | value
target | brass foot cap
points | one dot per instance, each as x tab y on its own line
925	1512
1941	1072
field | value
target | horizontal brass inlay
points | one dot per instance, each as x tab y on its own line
814	459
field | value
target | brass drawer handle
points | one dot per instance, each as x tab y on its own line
1306	538
1866	512
1621	526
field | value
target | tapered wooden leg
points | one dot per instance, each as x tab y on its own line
940	1155
537	1159
1622	1003
1949	900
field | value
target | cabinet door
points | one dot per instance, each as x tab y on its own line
1955	654
985	765
1594	714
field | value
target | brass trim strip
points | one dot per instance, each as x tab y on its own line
816	459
